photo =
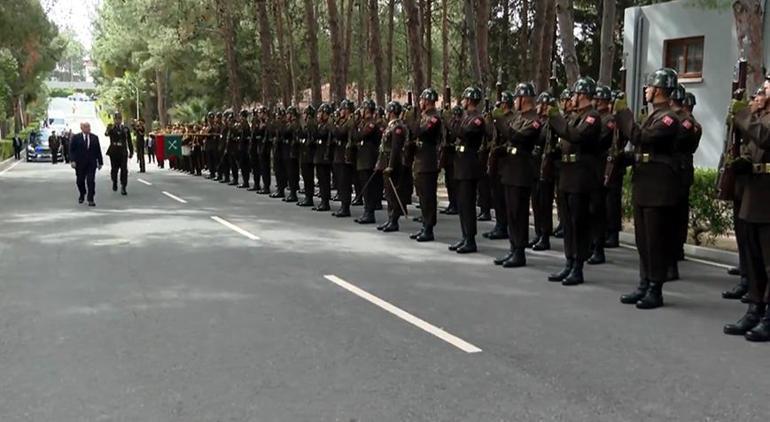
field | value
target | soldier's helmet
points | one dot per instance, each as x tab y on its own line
603	92
280	111
457	110
228	114
347	105
618	95
689	98
544	98
679	93
294	111
507	98
325	108
429	94
210	115
117	115
244	113
524	89
565	95
310	111
262	109
585	85
472	93
369	104
381	111
394	107
665	78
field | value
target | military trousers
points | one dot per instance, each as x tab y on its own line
577	224
139	158
450	183
466	206
653	227
757	239
343	176
542	207
264	167
426	185
245	165
254	161
392	196
499	201
598	211
739	227
324	175
682	220
232	159
373	191
279	167
308	180
119	164
292	169
517	209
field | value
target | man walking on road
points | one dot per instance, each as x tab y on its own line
86	157
17	144
53	144
120	151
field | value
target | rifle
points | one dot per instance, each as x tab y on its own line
499	91
443	156
547	166
447	98
615	153
732	143
410	147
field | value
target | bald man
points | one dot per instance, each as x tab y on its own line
86	155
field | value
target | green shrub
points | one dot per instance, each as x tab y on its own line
709	217
6	149
66	92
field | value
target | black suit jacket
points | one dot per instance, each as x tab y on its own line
83	155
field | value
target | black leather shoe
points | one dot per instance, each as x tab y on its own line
342	212
417	219
496	234
559	232
734	271
533	242
761	332
499	261
323	206
114	187
243	186
468	247
416	234
484	216
426	235
391	227
450	210
457	245
748	321
291	198
561	275
517	260
81	200
224	181
597	257
746	299
366	219
543	244
738	290
307	202
383	225
264	191
653	299
123	191
277	194
378	206
575	276
233	183
636	295
336	197
91	203
358	202
612	241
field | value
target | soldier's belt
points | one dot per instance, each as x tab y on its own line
646	158
512	150
761	168
570	158
460	148
320	141
302	141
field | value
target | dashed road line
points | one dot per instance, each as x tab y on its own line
144	182
174	197
234	228
404	315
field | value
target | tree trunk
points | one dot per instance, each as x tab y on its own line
348	26
389	53
337	88
445	43
428	25
462	58
564	11
361	49
748	26
482	40
538	33
414	32
227	31
295	97
283	62
607	43
265	40
376	51
312	40
546	46
504	45
160	86
470	33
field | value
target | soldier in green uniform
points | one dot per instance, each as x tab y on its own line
516	168
546	155
598	205
580	134
119	151
291	133
428	131
244	145
389	162
278	135
368	134
446	160
471	133
322	158
614	185
656	186
212	144
343	154
306	153
139	135
256	137
502	118
265	149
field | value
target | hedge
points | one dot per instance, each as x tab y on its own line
6	149
709	217
66	92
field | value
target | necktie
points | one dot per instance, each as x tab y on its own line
88	142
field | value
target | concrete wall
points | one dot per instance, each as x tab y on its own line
680	19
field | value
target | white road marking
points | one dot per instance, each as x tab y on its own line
406	316
144	182
174	197
687	258
9	168
234	228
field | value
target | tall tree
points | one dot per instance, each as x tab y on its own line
470	35
337	85
414	32
546	46
445	43
312	41
389	53
607	43
265	56
483	9
348	39
295	96
361	49
749	19
375	51
283	73
565	14
427	18
227	32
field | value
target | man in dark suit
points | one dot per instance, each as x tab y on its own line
17	144
86	157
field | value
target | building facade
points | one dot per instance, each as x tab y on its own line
700	43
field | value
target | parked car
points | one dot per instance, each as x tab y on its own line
38	148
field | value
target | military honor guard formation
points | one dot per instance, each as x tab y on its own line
527	152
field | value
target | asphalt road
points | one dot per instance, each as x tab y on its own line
146	308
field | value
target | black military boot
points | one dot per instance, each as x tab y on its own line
336	197
598	255
225	180
497	233
484	215
234	182
575	276
323	206
734	271
278	194
747	322
457	245
500	260
636	295
469	246
561	275
519	259
392	226
738	290
244	185
358	202
450	210
559	232
307	202
292	196
672	273
254	188
613	240
746	298
367	218
426	235
383	225
761	332
123	190
534	241
342	212
378	206
417	234
654	297
543	244
114	186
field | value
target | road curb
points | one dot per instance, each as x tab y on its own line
6	163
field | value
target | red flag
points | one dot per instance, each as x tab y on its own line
160	148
